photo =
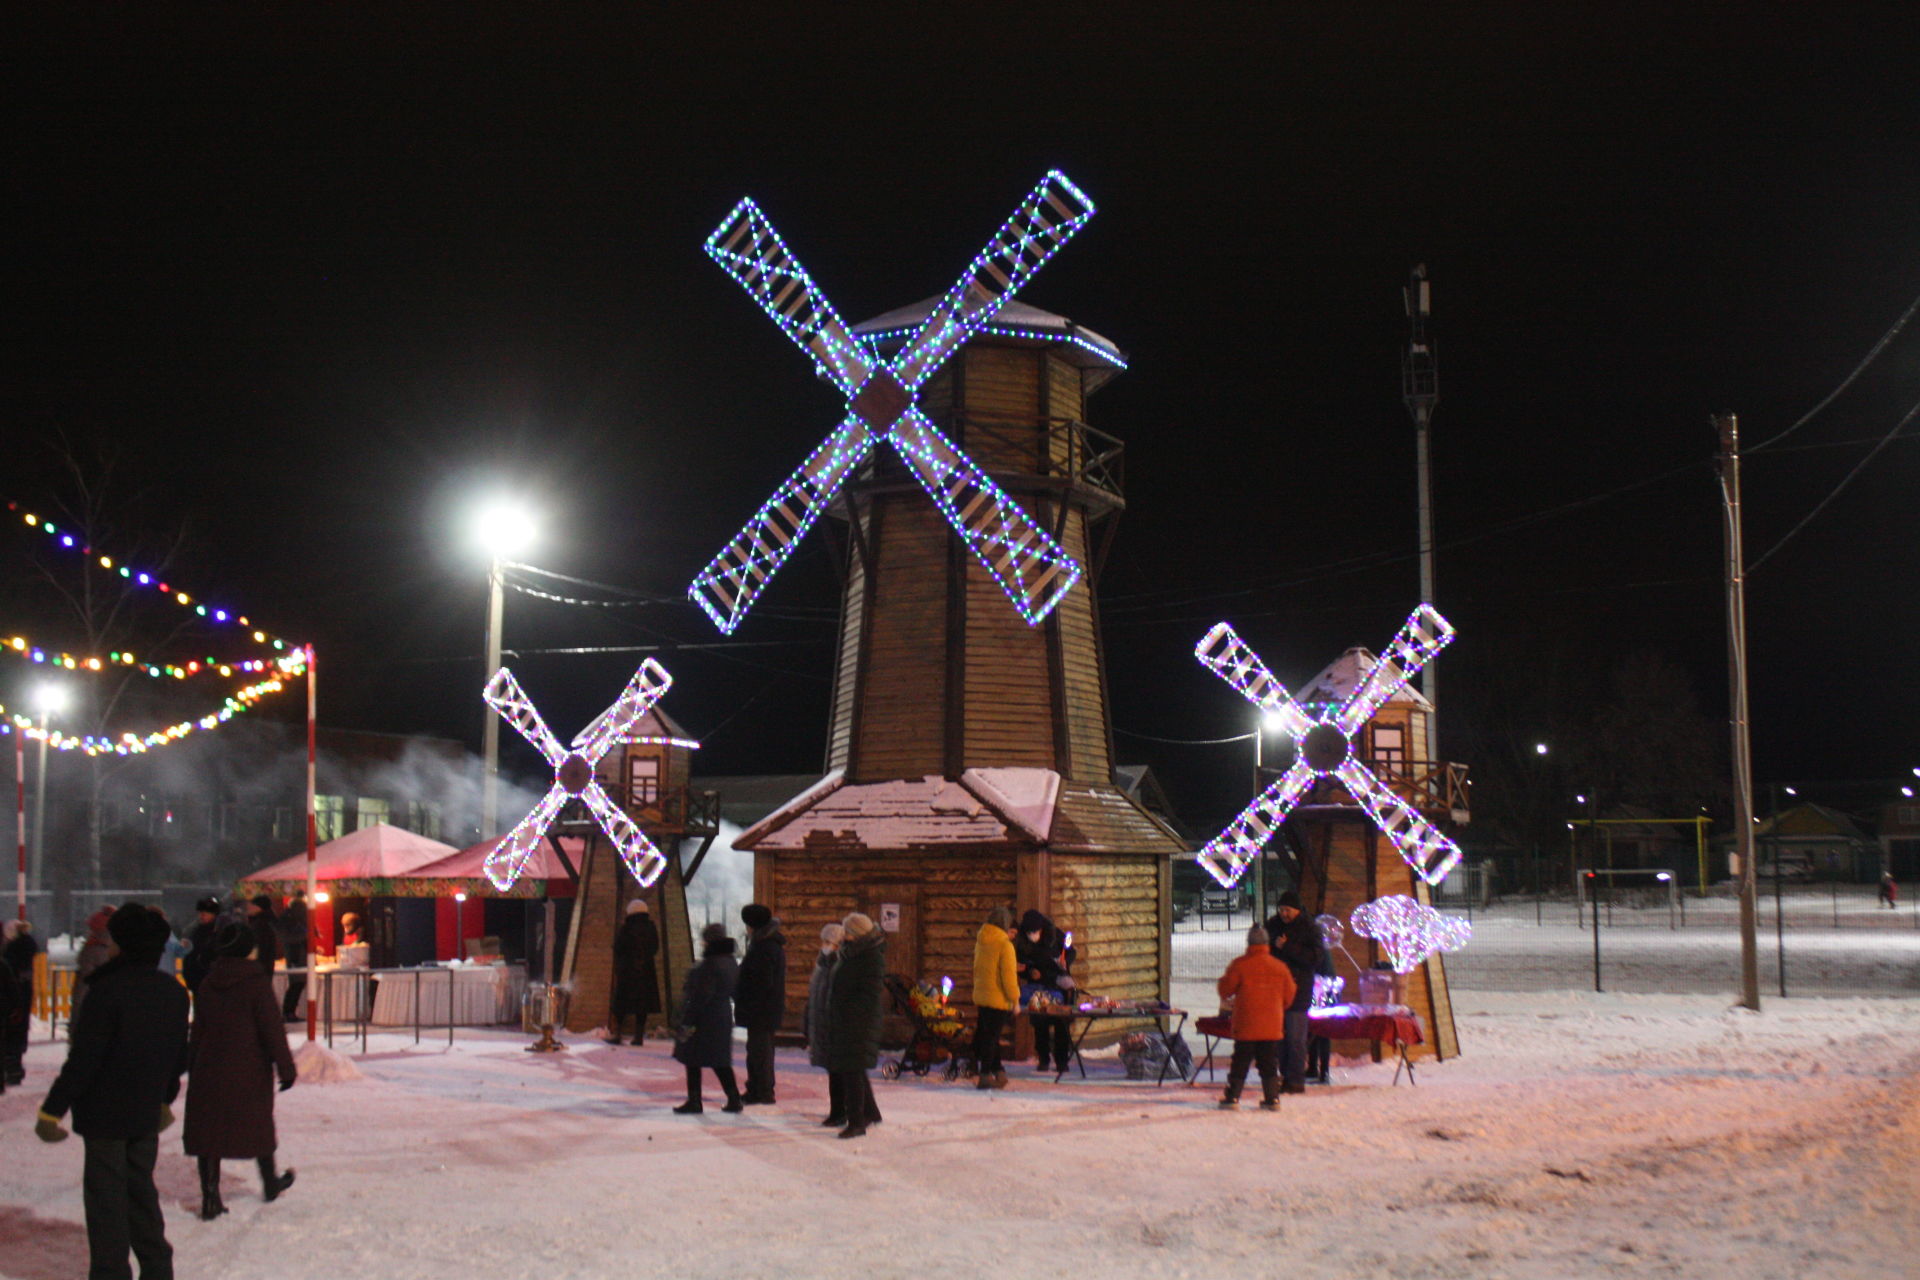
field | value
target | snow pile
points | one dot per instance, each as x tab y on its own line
318	1064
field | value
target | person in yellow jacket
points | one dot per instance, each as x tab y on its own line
996	994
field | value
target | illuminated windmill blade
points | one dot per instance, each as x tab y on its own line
509	857
1430	854
748	248
1045	220
642	858
1224	653
1425	634
1227	855
727	587
504	695
647	687
1033	569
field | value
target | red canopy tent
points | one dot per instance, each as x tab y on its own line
461	877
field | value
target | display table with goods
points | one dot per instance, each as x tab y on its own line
1165	1039
1389	1024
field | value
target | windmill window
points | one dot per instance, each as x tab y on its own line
1389	750
643	780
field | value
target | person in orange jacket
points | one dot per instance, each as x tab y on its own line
1261	987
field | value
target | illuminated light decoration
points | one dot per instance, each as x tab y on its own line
144	579
1408	931
130	744
688	743
120	658
1324	747
1030	566
573	774
1326	990
876	338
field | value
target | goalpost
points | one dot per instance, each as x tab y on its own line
1661	878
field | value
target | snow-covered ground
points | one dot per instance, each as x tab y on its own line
1652	1135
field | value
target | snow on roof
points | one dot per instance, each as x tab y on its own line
377	852
902	814
1024	797
1013	319
1337	681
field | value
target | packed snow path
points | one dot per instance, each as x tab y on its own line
1579	1135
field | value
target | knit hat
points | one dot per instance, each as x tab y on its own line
234	940
1001	918
833	933
1034	922
209	905
857	925
263	902
1291	898
713	933
137	931
1257	937
97	922
638	907
756	916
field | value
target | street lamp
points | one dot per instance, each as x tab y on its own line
504	528
1539	748
48	698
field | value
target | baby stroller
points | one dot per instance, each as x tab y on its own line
939	1033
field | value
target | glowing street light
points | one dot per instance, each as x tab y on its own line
1539	748
48	698
504	528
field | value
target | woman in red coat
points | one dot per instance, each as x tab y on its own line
239	1042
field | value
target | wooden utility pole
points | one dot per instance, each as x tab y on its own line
1420	389
1728	426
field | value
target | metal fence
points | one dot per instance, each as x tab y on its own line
1816	940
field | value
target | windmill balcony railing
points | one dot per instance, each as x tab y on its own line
681	809
1431	786
1065	448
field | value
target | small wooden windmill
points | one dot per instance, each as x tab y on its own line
1361	733
969	757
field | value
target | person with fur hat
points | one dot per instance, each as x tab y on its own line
636	984
19	951
760	1005
200	959
705	1030
1045	962
266	933
239	1044
1295	942
94	952
832	934
1261	988
996	994
856	996
126	1049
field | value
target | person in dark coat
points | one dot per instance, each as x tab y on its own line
831	935
636	983
1046	962
706	1021
1296	944
266	933
856	995
293	946
126	1050
761	1003
200	959
94	952
19	952
239	1044
11	1006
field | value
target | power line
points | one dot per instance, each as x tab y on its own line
1184	742
1846	382
1846	480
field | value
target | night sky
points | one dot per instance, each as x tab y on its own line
317	278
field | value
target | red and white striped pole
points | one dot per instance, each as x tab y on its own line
20	810
313	885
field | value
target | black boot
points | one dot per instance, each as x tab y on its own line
734	1105
271	1183
691	1107
211	1206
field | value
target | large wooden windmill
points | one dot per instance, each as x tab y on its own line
969	756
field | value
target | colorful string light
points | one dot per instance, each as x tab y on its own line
212	613
1408	931
129	744
119	659
1324	747
1030	566
573	774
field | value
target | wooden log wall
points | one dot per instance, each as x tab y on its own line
900	723
1112	904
